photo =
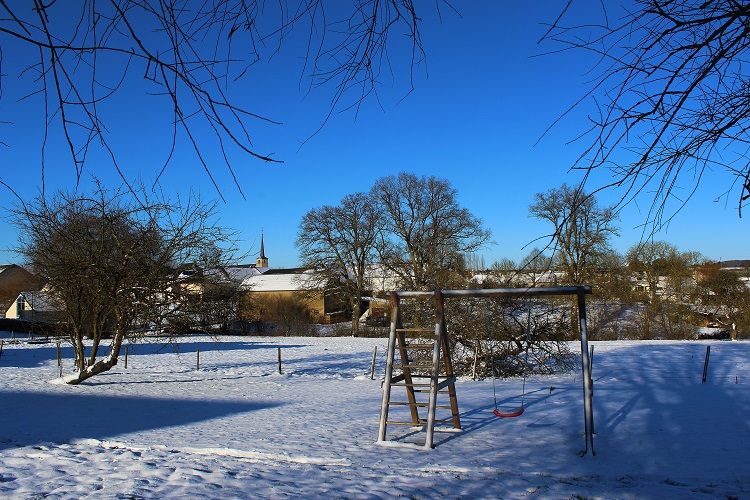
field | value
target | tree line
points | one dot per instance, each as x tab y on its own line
122	263
412	229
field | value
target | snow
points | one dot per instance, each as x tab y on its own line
236	428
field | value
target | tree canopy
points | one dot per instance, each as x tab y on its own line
113	262
339	242
427	231
581	229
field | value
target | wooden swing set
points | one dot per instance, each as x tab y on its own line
424	366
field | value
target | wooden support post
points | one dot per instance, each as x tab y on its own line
127	349
372	367
432	400
588	411
1	348
591	388
198	358
279	356
390	355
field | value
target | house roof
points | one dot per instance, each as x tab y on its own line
238	274
41	301
13	280
281	280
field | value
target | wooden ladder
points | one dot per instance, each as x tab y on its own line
423	368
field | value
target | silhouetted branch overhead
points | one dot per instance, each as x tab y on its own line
193	59
672	98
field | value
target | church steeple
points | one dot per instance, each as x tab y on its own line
262	260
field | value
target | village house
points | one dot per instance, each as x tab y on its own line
14	280
35	306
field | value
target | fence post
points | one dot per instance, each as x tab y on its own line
279	356
59	359
198	358
372	368
705	364
476	357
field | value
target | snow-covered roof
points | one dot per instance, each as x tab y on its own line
281	280
43	301
239	273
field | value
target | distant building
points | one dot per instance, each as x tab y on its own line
35	306
262	284
14	280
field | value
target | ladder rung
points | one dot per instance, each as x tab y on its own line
421	347
420	405
395	381
396	422
412	330
415	366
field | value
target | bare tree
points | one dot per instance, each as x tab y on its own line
665	270
113	262
724	297
503	272
188	58
535	267
581	229
667	287
671	96
426	231
339	243
506	337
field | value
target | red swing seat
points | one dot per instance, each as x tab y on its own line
509	414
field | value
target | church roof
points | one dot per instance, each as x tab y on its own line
281	280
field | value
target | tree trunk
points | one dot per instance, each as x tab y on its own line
356	313
80	351
101	365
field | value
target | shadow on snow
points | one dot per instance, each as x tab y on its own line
28	418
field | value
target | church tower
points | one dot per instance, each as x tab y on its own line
262	260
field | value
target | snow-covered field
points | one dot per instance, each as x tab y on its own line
237	428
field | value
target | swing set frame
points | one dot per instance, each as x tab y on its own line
579	291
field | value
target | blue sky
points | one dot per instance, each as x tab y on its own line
474	118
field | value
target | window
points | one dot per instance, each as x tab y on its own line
20	306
